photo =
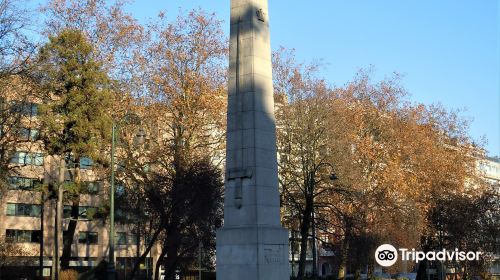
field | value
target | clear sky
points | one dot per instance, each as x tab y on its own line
448	50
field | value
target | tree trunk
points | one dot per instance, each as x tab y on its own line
172	243
66	254
146	252
314	248
422	271
304	236
344	254
292	249
344	251
357	274
42	229
158	264
58	220
370	269
75	211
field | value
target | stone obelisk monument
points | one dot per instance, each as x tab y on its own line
252	245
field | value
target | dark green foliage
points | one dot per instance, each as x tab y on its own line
467	222
191	202
96	273
186	207
76	95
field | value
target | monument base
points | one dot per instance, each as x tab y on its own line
252	253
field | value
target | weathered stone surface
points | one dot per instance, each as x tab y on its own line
252	244
252	253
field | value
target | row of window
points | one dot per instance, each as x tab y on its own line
33	236
124	238
84	162
23	183
87	237
24	210
30	134
84	237
24	108
34	210
84	212
27	158
23	236
24	133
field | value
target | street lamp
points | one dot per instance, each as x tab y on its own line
140	137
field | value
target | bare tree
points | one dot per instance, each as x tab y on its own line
15	45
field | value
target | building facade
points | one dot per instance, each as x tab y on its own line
28	218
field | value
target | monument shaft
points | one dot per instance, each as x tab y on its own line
252	244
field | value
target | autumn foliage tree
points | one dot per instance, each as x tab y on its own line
303	144
113	32
387	156
181	107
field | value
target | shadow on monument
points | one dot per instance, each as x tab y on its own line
251	244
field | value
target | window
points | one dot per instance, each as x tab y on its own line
120	215
119	189
132	239
19	157
91	187
87	212
21	183
36	159
26	158
11	209
22	236
84	212
67	211
28	133
25	108
87	237
34	109
86	163
24	210
70	162
122	238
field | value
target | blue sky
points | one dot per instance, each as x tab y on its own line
447	50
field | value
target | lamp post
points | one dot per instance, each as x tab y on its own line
111	262
111	269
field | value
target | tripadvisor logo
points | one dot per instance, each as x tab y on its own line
386	255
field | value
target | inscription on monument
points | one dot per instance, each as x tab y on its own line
273	253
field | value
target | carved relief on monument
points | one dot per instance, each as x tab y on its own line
261	15
273	253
